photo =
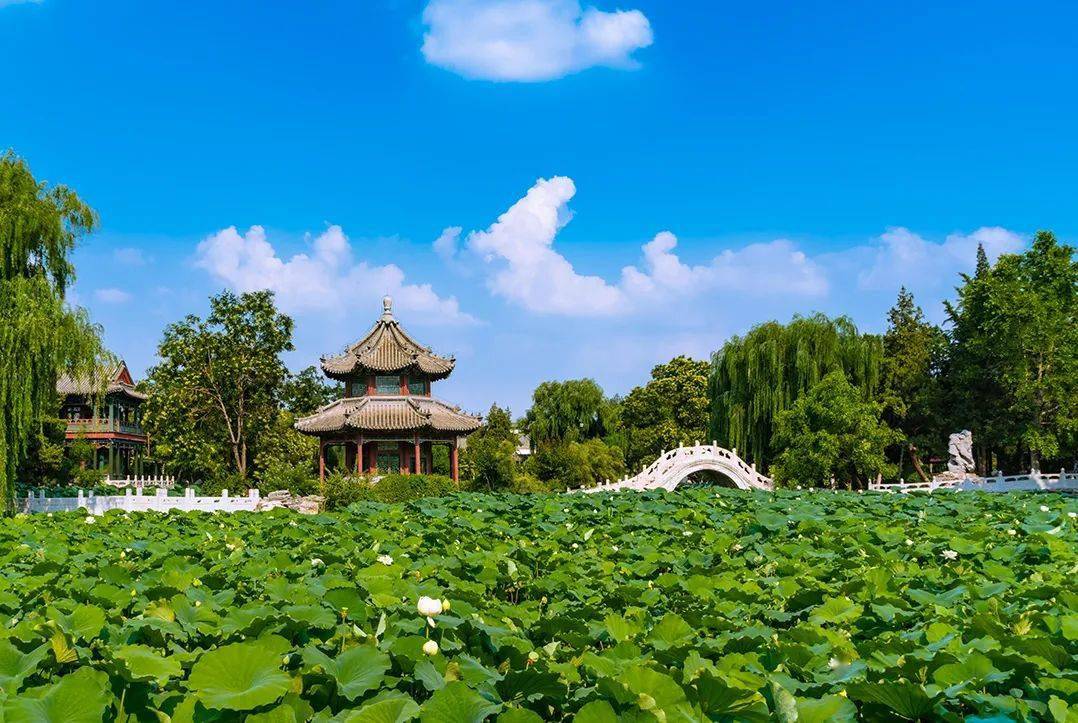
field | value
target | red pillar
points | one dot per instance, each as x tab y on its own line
453	462
359	455
415	457
402	453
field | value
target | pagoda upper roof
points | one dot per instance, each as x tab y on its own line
387	349
110	380
389	414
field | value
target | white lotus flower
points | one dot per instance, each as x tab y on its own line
89	519
317	562
1044	508
949	555
429	607
834	663
1072	515
430	647
909	542
385	559
1012	531
687	533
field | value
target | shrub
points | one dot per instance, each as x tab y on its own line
296	478
342	490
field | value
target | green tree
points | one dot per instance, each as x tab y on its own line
756	377
40	334
307	391
218	386
670	410
567	411
1033	334
972	389
913	353
832	433
1012	376
490	463
489	460
576	464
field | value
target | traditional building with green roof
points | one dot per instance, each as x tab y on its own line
387	420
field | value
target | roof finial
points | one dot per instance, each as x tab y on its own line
387	308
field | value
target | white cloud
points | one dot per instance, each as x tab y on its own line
130	256
112	296
529	40
326	279
446	244
524	267
901	255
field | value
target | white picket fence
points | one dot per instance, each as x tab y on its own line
135	501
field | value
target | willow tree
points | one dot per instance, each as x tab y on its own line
40	334
755	377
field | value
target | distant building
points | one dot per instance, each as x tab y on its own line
387	420
524	445
107	413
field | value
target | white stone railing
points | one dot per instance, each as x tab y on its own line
140	481
135	501
672	468
1031	481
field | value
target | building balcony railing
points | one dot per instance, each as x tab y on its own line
100	426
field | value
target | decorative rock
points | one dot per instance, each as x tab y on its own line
960	452
310	505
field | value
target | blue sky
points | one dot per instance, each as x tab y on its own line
548	189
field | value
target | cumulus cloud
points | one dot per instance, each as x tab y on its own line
327	278
529	40
112	296
901	254
525	268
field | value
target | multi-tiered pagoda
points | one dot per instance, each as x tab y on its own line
387	420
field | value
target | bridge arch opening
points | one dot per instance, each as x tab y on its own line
709	478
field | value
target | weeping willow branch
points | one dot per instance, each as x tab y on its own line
40	335
755	377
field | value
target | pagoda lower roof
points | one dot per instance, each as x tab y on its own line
388	414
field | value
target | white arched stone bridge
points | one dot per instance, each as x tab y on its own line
673	468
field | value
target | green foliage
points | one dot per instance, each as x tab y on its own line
307	391
1014	368
831	432
40	335
914	352
705	604
568	411
756	377
489	462
341	490
576	464
670	410
216	393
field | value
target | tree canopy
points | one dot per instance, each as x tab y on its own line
670	410
40	333
831	433
1013	371
756	377
217	389
914	352
569	411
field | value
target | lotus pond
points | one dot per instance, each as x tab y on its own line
702	604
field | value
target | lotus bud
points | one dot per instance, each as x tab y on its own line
430	647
